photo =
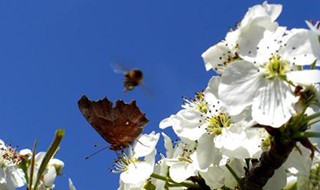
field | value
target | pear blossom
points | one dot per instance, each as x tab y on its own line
199	116
241	141
161	168
219	56
53	169
214	176
134	170
261	77
181	165
11	177
215	133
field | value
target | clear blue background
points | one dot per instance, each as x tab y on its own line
53	52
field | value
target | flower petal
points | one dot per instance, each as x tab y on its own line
217	56
271	11
206	153
145	144
301	47
181	171
239	85
168	145
305	77
273	105
137	172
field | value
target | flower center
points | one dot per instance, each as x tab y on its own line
187	150
9	156
276	67
197	103
202	104
217	122
122	164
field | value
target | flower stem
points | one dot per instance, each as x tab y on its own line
313	116
168	179
32	165
50	153
309	134
233	173
269	161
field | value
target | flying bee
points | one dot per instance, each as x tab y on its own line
132	78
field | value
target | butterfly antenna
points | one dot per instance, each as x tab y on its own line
141	143
102	149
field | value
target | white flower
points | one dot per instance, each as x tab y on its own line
259	80
181	165
161	168
201	115
48	177
295	169
219	56
214	176
128	186
133	169
241	141
11	177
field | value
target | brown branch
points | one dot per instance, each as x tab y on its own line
270	160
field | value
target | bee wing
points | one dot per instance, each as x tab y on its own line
146	87
117	68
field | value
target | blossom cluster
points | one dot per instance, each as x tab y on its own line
22	168
266	82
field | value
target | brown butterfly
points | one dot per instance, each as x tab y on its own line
119	125
132	78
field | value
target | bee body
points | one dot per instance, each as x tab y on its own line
132	79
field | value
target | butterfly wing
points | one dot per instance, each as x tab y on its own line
119	125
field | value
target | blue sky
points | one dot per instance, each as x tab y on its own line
53	52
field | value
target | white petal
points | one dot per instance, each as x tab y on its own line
39	157
206	153
304	77
25	152
302	47
50	176
137	172
15	175
278	180
168	145
299	160
168	122
189	125
241	141
256	43
273	105
145	144
230	142
181	171
213	86
58	164
265	10
238	167
150	158
2	144
216	57
214	177
239	85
